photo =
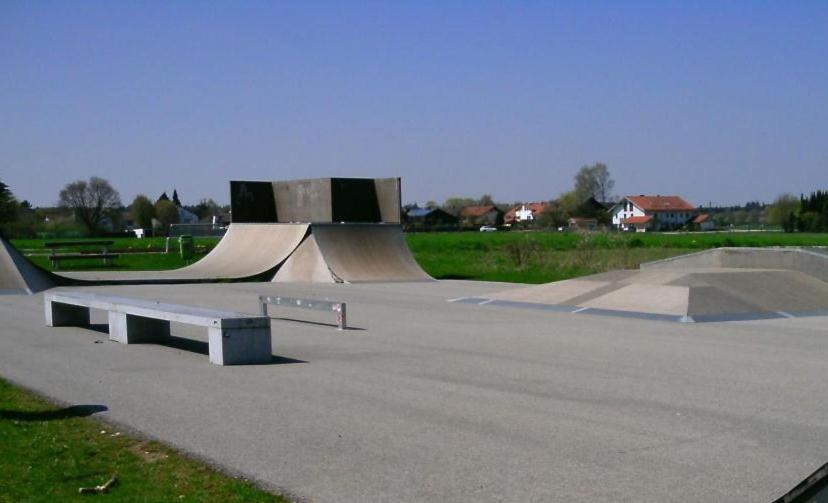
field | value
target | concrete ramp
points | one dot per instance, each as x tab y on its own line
306	265
245	251
811	261
18	275
683	294
353	253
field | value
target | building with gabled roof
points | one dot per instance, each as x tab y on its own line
526	212
487	214
657	213
704	222
429	218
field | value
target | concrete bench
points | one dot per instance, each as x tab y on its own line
234	338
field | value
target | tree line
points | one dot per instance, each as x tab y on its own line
590	197
93	207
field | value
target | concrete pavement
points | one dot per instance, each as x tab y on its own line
438	401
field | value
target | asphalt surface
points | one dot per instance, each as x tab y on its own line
427	400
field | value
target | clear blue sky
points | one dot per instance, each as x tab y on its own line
717	101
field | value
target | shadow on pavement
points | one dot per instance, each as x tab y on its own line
51	415
201	347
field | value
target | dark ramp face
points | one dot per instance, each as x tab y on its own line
317	200
252	202
18	275
354	200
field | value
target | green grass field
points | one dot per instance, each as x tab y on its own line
540	257
48	453
522	257
145	254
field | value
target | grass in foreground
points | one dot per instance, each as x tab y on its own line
47	453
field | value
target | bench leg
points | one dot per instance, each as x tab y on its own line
130	329
66	315
238	346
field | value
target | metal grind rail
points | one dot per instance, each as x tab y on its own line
317	305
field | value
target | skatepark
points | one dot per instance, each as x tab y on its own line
699	378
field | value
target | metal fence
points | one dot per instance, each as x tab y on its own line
197	230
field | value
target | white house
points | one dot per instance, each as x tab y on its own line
656	213
527	212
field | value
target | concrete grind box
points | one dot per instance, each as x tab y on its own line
319	200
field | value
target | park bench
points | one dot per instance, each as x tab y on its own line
56	258
234	338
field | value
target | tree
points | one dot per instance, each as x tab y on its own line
459	202
8	205
594	181
485	200
782	209
175	199
92	202
143	211
166	212
568	204
205	208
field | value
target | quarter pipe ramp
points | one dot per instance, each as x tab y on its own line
18	275
352	253
245	251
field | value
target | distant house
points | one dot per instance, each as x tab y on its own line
526	212
704	222
488	214
652	213
421	218
582	224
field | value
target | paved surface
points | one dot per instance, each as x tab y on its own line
435	401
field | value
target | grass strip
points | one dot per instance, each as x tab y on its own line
48	453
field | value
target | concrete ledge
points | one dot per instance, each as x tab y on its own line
234	338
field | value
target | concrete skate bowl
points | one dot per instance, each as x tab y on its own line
246	251
352	253
684	293
811	261
18	275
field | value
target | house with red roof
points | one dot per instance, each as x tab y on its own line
652	213
526	212
487	214
704	222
